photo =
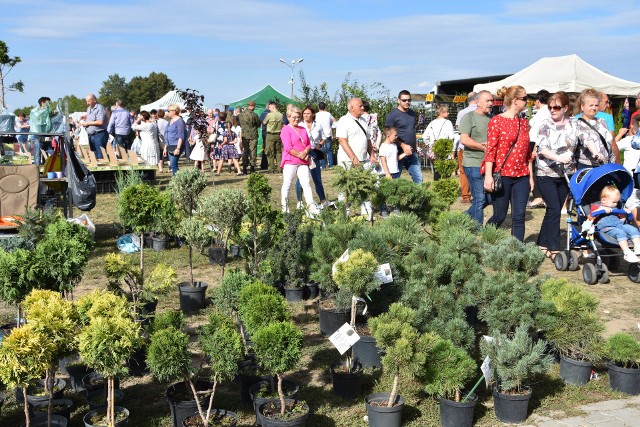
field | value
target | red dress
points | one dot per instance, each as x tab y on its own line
501	134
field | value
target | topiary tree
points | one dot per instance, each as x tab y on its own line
261	310
278	348
196	235
100	303
185	188
623	349
448	369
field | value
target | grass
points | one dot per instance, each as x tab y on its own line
144	397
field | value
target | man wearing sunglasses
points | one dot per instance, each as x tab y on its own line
403	118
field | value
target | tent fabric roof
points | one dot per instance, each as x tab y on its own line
262	97
171	97
567	73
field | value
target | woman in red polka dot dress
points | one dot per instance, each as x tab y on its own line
508	130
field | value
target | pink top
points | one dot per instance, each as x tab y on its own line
297	139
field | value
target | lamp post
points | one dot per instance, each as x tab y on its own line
292	66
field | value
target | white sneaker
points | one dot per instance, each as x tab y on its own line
313	210
637	251
300	205
630	257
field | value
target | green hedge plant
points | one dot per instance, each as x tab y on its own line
623	349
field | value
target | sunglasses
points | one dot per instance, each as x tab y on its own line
555	107
405	100
522	98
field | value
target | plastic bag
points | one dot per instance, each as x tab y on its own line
57	121
86	222
84	136
7	123
137	144
129	243
82	184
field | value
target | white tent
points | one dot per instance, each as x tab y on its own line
567	73
171	97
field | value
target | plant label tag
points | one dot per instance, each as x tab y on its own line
344	338
383	274
488	338
343	258
486	370
357	300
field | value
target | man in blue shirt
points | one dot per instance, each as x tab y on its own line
96	124
120	126
403	119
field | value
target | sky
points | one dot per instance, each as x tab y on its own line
231	49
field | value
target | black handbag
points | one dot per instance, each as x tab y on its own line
497	176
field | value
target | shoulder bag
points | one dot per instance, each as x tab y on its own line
602	139
497	175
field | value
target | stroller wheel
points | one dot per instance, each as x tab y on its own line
634	272
574	264
589	274
603	277
560	261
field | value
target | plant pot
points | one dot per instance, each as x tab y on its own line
181	409
217	415
234	250
192	298
137	363
65	406
347	385
94	381
295	422
158	243
34	400
76	372
97	399
247	380
511	408
289	389
574	371
62	363
294	293
311	290
147	311
217	255
471	314
457	414
384	416
43	421
93	413
366	352
626	380
331	319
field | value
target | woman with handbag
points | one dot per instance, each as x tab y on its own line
315	137
507	161
557	141
439	128
594	137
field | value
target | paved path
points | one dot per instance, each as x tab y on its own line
610	413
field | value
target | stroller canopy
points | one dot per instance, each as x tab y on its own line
586	184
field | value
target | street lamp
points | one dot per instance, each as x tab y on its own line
292	66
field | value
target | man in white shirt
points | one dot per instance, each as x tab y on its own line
324	119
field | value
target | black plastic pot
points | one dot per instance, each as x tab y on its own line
192	298
293	293
366	352
331	319
64	410
296	422
289	389
147	311
511	408
94	398
247	380
384	416
217	255
181	409
118	409
94	381
574	371
217	414
626	380
76	373
347	385
159	243
59	383
43	421
137	363
457	414
311	290
234	251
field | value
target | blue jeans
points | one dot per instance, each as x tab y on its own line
173	159
98	140
39	143
328	152
412	165
515	191
122	140
479	199
317	181
622	232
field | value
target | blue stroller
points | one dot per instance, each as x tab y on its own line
582	232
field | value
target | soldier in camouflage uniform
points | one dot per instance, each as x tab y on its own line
249	123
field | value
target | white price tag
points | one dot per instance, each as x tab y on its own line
486	370
344	338
343	258
384	273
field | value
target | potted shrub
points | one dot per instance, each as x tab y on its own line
577	330
445	187
196	236
224	209
14	277
165	221
185	188
226	296
278	348
261	306
115	327
514	360
404	354
623	352
358	185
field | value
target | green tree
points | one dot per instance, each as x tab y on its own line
115	87
6	65
144	90
75	103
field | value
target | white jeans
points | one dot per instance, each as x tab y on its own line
289	173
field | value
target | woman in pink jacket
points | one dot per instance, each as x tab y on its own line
296	161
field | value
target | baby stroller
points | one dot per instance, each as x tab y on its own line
582	232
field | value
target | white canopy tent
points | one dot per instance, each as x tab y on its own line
567	73
171	97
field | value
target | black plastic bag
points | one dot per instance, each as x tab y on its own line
82	183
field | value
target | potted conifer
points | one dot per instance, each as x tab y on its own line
514	360
358	185
623	351
165	222
196	236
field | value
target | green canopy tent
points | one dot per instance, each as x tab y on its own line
261	98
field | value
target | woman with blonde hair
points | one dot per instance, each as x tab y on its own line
174	137
594	138
508	153
439	128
